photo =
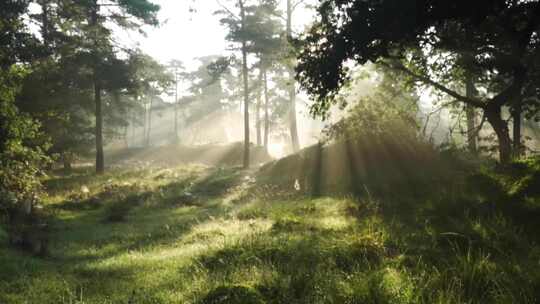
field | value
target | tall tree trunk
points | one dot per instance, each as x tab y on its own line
493	115
145	125
292	120
258	123
175	106
292	88
513	94
516	116
149	131
100	162
246	87
266	105
258	112
472	140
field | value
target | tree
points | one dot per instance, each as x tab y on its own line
21	144
19	45
266	108
57	95
56	89
177	69
237	27
86	39
387	114
22	147
148	80
426	40
268	45
125	14
292	85
207	91
245	26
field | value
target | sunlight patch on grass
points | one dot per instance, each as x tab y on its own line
334	222
203	237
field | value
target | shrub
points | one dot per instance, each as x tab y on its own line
21	154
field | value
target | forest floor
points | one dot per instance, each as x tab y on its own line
200	234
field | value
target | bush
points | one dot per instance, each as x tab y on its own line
21	155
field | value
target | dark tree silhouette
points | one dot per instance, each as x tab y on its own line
499	36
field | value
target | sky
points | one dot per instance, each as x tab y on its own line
185	33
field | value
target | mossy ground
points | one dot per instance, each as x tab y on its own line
196	234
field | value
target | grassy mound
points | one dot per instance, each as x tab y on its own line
380	167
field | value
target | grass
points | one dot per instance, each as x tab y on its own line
197	234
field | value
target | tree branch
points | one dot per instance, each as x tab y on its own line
480	126
513	90
231	14
467	100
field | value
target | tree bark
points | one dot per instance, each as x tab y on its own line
472	138
149	131
292	89
100	162
258	113
292	120
246	88
266	105
493	116
516	117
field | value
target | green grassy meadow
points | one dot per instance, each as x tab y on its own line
200	234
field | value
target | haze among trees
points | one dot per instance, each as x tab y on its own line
351	151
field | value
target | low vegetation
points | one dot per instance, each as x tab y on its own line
198	234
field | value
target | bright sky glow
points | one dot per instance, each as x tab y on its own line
185	34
